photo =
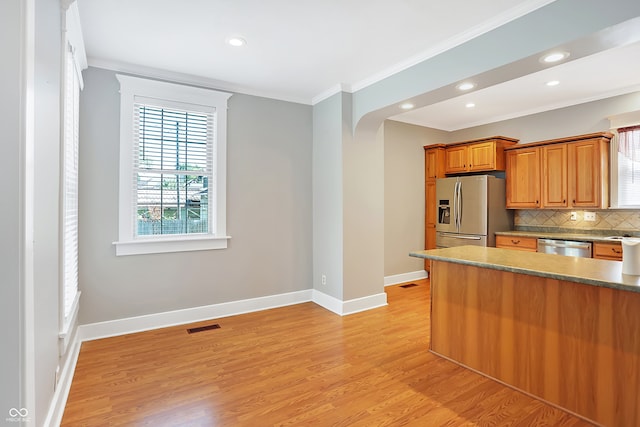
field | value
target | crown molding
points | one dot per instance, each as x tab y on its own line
189	79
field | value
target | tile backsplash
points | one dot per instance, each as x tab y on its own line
606	220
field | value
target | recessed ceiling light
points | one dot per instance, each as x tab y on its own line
407	106
470	105
236	41
554	57
466	86
553	83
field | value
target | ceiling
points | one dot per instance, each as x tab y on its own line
304	50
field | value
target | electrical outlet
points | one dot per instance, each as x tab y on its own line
323	279
574	216
589	216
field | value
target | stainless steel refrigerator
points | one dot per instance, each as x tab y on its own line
470	210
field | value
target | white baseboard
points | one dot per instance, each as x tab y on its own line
344	308
130	325
59	400
405	277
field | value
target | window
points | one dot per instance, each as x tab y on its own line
74	60
172	167
70	183
628	156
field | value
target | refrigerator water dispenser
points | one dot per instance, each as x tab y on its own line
444	212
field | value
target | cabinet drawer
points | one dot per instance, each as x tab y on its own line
610	251
517	242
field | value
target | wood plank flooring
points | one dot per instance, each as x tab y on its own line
294	366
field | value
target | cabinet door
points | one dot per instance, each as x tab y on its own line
430	214
482	156
585	173
434	163
456	159
523	178
610	251
529	244
554	176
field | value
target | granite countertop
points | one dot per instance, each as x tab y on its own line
588	271
565	235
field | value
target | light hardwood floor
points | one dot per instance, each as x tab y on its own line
300	366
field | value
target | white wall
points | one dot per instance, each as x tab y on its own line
30	107
404	193
268	213
47	75
11	382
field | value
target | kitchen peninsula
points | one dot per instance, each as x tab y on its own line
563	329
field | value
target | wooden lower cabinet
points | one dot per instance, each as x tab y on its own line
434	158
610	251
519	243
574	345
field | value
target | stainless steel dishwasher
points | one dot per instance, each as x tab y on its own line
565	247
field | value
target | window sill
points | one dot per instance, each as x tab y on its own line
172	244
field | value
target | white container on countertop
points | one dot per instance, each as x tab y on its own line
631	256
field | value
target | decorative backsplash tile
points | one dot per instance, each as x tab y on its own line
606	220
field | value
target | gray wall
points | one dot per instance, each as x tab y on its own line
404	193
268	213
576	120
328	129
10	217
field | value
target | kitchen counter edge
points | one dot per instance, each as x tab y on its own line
588	271
580	237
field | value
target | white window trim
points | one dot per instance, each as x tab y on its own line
73	43
631	118
128	244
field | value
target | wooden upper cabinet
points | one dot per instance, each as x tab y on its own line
433	161
477	155
554	176
482	156
456	159
573	172
523	178
589	173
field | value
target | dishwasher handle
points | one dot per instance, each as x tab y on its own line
565	245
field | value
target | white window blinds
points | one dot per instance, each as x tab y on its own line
173	158
629	166
71	101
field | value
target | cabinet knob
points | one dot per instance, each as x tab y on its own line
564	200
515	242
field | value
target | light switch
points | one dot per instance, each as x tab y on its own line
589	216
574	216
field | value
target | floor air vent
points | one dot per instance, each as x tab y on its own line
408	285
203	328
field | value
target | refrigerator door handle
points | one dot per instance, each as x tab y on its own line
458	202
455	210
459	206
